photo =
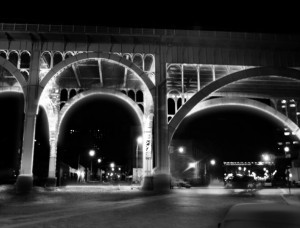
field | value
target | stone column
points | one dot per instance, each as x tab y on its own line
50	100
147	153
53	128
25	179
161	179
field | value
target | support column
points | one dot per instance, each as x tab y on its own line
147	154
25	179
51	181
51	102
162	177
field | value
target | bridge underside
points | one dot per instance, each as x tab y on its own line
164	74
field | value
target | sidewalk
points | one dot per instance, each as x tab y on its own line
291	196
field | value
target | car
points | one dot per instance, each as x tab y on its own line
268	183
179	183
244	182
260	215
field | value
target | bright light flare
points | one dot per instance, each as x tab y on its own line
139	140
181	150
266	157
92	153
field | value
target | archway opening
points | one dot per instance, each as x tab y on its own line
109	127
12	121
214	142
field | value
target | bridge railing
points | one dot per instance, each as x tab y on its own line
228	35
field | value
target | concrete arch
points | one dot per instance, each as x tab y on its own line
14	71
96	55
97	92
247	103
221	82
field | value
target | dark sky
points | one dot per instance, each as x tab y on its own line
233	16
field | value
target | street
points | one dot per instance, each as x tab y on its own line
117	207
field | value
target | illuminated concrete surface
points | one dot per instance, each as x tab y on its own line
167	66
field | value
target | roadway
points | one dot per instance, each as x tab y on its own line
126	207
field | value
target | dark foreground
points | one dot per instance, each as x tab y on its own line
125	207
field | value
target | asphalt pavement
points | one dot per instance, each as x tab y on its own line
117	206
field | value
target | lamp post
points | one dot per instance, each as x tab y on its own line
99	161
92	153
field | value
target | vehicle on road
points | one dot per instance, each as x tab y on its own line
244	182
179	183
261	215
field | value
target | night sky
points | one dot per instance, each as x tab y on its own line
223	16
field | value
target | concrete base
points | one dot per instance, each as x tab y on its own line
24	184
51	182
162	183
147	183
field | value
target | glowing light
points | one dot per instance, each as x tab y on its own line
239	168
283	101
99	160
266	157
181	150
213	162
286	133
286	149
112	165
139	140
92	153
192	165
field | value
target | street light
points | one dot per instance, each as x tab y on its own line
213	162
181	150
99	161
266	157
92	153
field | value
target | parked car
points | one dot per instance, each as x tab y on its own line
179	183
260	215
268	183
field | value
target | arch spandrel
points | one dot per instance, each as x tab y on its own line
96	55
221	82
14	71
